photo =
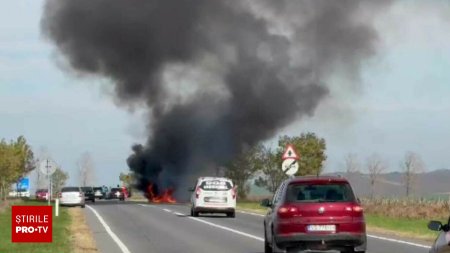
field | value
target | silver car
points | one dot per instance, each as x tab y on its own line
442	243
71	196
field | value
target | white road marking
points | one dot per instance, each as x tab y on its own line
399	241
116	239
167	210
262	239
227	229
249	213
223	227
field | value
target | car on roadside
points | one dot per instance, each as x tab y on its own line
117	193
213	195
88	193
442	242
71	196
317	213
41	194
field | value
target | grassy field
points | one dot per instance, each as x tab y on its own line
376	222
61	235
411	228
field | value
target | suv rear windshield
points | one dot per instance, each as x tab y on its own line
70	189
116	190
86	189
98	189
328	192
215	185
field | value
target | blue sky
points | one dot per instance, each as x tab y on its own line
402	102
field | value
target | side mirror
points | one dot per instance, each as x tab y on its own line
266	203
435	225
191	189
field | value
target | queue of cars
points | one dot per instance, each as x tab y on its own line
318	213
78	196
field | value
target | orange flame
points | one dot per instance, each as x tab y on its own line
166	197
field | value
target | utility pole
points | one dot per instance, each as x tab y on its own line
47	166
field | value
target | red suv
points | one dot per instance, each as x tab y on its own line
314	213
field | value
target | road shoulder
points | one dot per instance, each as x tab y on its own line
82	239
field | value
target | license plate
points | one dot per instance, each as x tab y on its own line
215	200
321	228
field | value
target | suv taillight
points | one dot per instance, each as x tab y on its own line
197	192
287	211
81	194
355	208
233	192
59	195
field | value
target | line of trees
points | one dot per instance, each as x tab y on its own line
375	166
16	160
264	163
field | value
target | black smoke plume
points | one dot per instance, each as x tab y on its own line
217	76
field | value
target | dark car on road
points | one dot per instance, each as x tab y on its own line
117	193
442	243
88	193
100	192
314	213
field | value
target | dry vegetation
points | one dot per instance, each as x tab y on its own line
82	240
408	208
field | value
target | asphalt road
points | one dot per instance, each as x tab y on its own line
142	228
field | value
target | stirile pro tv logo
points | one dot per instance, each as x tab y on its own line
31	224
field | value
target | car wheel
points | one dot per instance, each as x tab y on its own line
195	214
231	214
93	201
267	247
274	247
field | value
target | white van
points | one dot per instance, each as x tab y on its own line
213	195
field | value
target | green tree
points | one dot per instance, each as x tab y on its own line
59	178
16	160
270	167
311	150
27	163
243	167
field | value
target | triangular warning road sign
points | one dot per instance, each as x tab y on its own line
290	153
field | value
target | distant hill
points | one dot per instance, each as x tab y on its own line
391	184
429	184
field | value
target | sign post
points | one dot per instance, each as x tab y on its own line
48	167
23	187
290	161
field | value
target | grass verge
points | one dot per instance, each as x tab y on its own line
61	234
403	227
82	240
251	206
